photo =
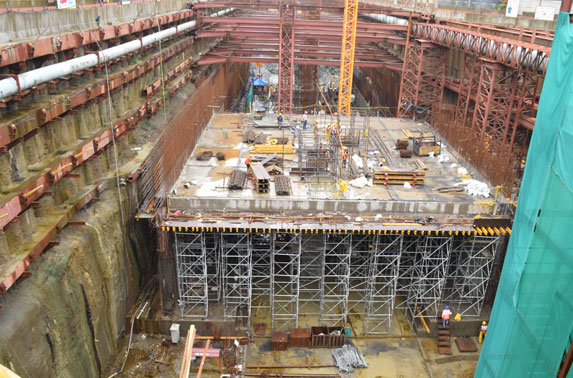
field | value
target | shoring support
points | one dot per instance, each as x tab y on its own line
285	274
191	266
286	56
359	273
382	282
263	245
423	77
430	271
311	274
336	279
236	253
471	263
347	57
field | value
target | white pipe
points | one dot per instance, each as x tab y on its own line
386	18
9	86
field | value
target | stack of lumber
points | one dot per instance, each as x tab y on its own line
273	149
399	177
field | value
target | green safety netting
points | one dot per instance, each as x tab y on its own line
532	316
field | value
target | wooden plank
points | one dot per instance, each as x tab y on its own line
203	358
186	362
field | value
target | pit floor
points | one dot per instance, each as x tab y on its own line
224	134
397	355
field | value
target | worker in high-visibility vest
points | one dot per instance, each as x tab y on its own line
482	331
248	162
446	313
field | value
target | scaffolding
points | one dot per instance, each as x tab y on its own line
332	275
310	280
236	253
263	244
335	278
471	263
285	273
191	259
382	282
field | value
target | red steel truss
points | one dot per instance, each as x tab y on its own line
494	105
511	52
286	57
468	86
423	77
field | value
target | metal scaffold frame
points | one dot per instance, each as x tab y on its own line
236	254
263	244
335	277
285	273
382	281
190	252
471	263
332	275
430	271
310	280
214	267
362	247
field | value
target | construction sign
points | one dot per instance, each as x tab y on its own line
64	4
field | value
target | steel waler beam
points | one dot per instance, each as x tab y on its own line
286	56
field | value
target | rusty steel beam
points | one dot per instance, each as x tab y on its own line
19	269
286	56
207	60
320	5
43	47
513	53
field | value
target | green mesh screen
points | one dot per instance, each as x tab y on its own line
532	315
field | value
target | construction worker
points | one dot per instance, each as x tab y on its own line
280	120
345	157
521	169
304	120
446	313
248	162
482	331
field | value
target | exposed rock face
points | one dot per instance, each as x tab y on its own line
66	318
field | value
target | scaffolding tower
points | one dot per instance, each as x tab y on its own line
263	244
310	280
471	262
332	275
382	282
285	273
191	258
336	279
236	253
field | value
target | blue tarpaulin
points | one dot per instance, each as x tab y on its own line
259	82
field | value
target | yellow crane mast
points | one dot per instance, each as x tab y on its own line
347	57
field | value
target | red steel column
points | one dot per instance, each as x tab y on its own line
423	76
468	87
286	56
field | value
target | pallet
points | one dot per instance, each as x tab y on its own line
399	177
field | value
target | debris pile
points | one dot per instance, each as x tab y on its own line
349	358
249	136
205	155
